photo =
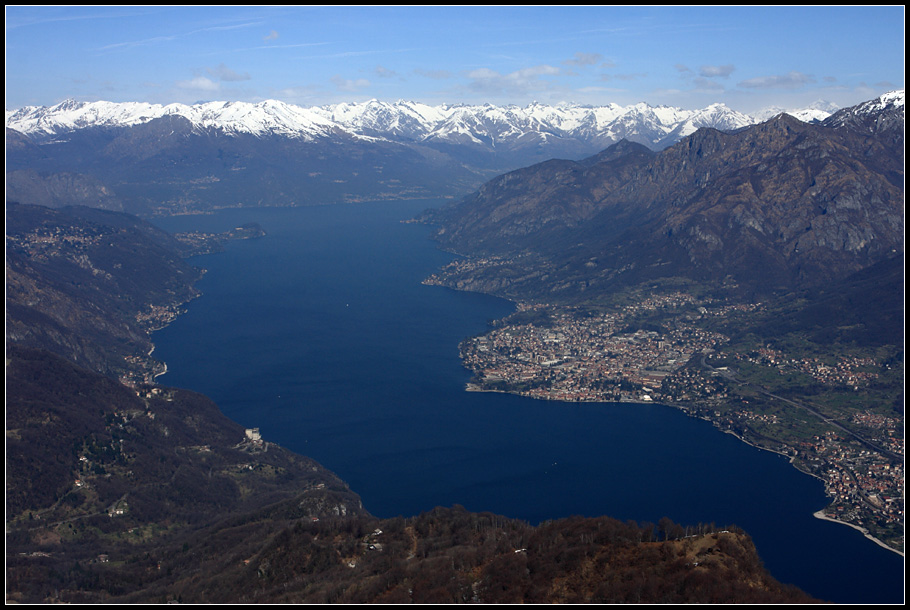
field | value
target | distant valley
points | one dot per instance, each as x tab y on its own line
151	159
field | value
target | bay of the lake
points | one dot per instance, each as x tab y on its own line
321	335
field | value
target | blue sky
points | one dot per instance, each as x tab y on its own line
746	57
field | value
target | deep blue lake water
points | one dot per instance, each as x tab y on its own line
321	335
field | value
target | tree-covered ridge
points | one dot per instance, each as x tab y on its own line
89	284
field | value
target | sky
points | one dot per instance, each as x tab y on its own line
749	58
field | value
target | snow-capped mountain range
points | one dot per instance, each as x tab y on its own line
151	159
487	126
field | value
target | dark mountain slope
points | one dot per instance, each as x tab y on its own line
88	284
862	309
771	206
59	190
168	166
97	473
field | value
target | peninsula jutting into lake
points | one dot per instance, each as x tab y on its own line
569	354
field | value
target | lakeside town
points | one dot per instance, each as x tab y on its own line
569	354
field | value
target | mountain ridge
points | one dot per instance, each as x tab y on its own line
655	126
775	203
154	160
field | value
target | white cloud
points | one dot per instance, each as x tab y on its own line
200	83
223	73
584	59
521	81
713	71
384	72
350	86
273	35
791	80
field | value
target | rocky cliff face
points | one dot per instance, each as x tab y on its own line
773	205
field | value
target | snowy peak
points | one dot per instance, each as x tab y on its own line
880	113
486	125
891	101
716	116
815	112
479	125
269	117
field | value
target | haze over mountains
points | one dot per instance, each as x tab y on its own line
152	159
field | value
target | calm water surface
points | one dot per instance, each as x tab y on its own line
321	335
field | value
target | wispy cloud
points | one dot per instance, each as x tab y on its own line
199	83
624	77
704	81
525	80
384	72
297	45
791	80
434	74
137	43
273	35
367	52
222	28
297	95
348	85
716	71
44	16
706	84
223	73
584	59
162	39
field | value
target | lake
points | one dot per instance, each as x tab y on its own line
321	335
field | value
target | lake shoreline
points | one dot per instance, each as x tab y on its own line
474	387
373	399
